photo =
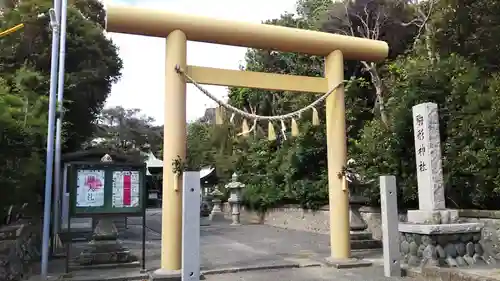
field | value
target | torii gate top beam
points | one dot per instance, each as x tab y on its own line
151	22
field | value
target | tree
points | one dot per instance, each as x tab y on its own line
469	28
199	148
92	62
375	20
421	67
288	170
469	118
126	130
23	123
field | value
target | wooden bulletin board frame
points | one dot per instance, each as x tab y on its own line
107	209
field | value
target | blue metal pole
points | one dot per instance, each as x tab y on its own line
60	99
54	22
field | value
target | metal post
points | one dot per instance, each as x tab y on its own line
65	198
143	254
60	108
50	139
190	269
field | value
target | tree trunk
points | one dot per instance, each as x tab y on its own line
429	43
379	91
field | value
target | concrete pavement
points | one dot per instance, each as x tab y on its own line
246	252
306	274
226	246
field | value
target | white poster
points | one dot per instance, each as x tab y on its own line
90	188
126	189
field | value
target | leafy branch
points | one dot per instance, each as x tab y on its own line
178	166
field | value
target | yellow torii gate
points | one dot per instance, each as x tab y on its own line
178	28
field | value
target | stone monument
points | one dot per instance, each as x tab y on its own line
433	233
431	197
216	214
235	188
105	248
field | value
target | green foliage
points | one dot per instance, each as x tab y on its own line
92	66
469	118
22	125
427	63
92	63
198	152
127	130
469	28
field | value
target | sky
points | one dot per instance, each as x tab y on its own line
142	83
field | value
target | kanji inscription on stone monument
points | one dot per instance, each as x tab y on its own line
428	157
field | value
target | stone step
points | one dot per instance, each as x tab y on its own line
75	235
120	224
361	235
365	244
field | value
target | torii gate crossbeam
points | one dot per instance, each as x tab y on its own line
179	28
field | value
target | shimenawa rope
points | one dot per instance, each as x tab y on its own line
256	117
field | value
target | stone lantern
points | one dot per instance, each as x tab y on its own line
216	214
235	187
356	201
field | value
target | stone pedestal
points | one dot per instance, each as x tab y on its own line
445	216
235	213
205	221
451	245
105	248
235	189
361	238
356	221
216	214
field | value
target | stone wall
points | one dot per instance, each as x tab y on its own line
290	217
293	217
19	248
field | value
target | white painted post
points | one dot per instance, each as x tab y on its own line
390	222
191	202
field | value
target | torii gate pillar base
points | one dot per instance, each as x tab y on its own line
166	275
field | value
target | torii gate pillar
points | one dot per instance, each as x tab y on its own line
338	198
174	147
178	28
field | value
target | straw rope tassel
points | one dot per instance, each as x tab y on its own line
295	128
344	183
244	128
315	117
283	129
271	135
